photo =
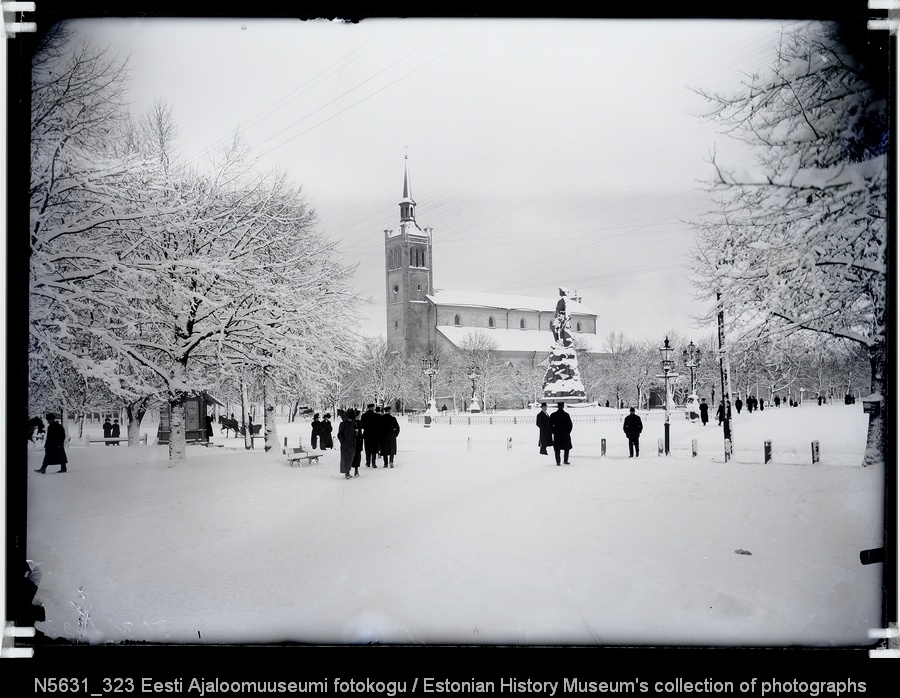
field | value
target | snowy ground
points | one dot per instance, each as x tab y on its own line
472	538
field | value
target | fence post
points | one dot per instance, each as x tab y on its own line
693	448
469	446
285	443
509	443
602	447
815	452
767	451
661	447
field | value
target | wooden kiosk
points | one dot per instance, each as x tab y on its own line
195	410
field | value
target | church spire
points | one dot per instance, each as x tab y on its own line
407	205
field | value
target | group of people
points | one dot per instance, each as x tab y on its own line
375	431
111	431
556	432
321	432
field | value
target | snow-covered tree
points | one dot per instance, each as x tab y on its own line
156	278
799	240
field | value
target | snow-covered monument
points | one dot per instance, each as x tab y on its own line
562	382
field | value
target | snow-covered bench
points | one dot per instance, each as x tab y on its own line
295	455
117	439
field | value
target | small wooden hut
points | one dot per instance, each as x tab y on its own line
196	408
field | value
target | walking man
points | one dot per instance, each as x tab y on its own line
704	411
390	430
633	426
370	422
545	438
54	446
561	428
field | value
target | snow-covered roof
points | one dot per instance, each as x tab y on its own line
517	340
482	299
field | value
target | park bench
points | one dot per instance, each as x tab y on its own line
295	455
117	439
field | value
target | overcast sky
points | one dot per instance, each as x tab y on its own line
542	152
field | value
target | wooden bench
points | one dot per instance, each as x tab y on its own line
117	439
295	455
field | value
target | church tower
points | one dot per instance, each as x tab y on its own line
408	271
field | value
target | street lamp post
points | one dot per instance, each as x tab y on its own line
691	359
667	363
429	368
473	376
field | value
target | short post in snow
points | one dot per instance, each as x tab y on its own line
661	446
693	448
285	442
767	451
602	447
815	452
509	443
469	445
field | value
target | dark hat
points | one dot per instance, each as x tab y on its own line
387	409
632	410
560	404
370	405
543	404
50	415
327	415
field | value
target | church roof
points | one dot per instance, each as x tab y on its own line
517	340
483	299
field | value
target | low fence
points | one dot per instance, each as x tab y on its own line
486	419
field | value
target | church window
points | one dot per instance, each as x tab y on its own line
396	289
522	324
456	321
491	321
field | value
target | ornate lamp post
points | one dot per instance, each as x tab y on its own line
473	376
668	364
429	368
691	359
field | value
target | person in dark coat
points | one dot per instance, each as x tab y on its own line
738	404
209	427
316	431
390	430
704	411
720	412
561	428
633	426
545	437
107	431
54	445
347	436
325	439
116	431
357	456
369	422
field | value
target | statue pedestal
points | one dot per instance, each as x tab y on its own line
474	407
562	383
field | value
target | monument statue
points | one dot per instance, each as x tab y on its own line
562	382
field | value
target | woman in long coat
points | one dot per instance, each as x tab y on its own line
54	446
316	431
347	437
325	440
